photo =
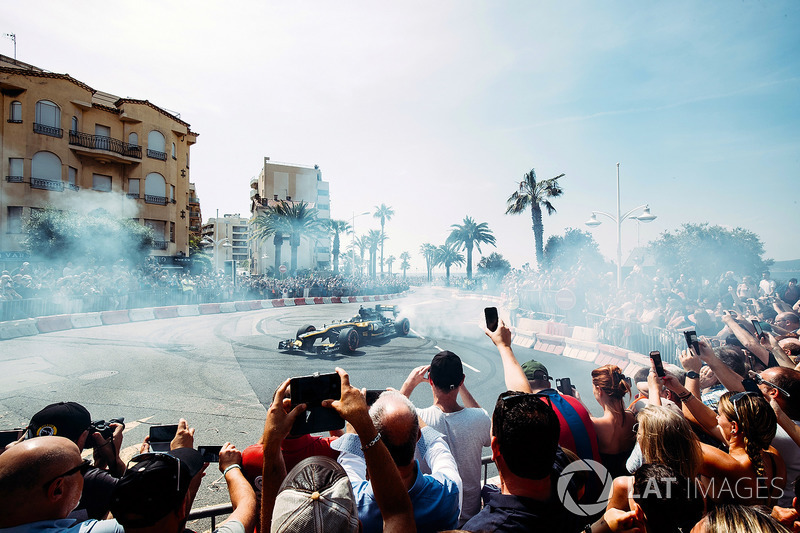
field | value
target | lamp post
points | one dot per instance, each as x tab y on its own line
225	243
353	238
646	217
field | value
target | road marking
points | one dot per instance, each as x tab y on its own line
462	361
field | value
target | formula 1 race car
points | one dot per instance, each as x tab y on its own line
346	335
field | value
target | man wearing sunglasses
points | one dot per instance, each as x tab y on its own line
41	481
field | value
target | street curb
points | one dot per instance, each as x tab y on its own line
29	327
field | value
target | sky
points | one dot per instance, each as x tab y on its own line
438	109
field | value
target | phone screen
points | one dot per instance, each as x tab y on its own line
564	385
9	436
311	390
691	340
210	453
490	313
757	326
372	395
161	436
656	358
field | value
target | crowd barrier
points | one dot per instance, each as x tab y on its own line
48	324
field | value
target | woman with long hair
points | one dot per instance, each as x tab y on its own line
727	518
615	428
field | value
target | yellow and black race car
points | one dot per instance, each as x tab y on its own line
347	335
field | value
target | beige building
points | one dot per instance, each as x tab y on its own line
227	239
293	183
66	145
195	216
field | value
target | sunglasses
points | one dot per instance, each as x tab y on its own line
738	396
82	468
163	457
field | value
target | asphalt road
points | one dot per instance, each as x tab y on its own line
219	371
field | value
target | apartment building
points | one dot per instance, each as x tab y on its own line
195	215
227	238
66	145
294	183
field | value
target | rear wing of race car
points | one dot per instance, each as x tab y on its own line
386	308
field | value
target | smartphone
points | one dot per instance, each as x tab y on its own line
8	436
210	453
759	330
655	356
372	395
564	385
161	436
490	313
750	385
691	341
311	390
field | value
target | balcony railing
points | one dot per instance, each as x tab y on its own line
48	185
15	179
73	187
15	120
133	195
155	154
48	130
159	200
160	245
101	142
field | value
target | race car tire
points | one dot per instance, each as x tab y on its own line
348	340
304	330
403	327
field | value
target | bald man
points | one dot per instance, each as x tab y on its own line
40	484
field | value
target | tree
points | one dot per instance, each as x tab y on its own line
447	255
469	235
374	239
97	237
702	251
494	266
336	227
270	223
573	248
535	194
405	262
389	260
429	253
294	219
362	246
385	213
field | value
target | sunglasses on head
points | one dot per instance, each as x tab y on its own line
738	396
160	456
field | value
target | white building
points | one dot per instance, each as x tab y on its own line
228	239
294	183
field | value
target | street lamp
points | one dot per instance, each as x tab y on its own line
645	217
353	238
225	243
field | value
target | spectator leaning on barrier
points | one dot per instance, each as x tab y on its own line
467	429
40	483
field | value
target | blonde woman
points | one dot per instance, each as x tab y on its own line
727	518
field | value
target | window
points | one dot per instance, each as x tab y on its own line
14	219
48	119
174	152
133	138
171	232
15	173
155	146
133	187
72	174
15	114
46	165
172	193
101	183
155	189
74	125
187	159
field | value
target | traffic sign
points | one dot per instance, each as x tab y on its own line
282	269
565	299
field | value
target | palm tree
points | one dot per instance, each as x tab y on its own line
389	260
535	194
362	246
405	262
469	235
448	255
336	227
374	239
270	223
293	219
383	212
429	253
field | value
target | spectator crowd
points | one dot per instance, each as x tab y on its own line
711	445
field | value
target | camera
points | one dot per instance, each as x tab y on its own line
104	428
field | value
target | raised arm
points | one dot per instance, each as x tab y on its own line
746	338
729	379
243	499
415	377
466	397
704	415
512	371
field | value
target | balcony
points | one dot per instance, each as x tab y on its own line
160	245
73	187
15	179
132	195
155	154
47	185
105	149
158	200
48	130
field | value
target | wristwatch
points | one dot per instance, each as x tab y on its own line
692	374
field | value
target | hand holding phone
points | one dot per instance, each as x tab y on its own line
691	341
161	436
655	357
759	330
210	453
490	314
311	391
564	385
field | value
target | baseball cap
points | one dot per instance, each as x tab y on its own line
63	419
532	367
154	484
315	497
446	370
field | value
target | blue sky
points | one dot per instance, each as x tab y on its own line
439	108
